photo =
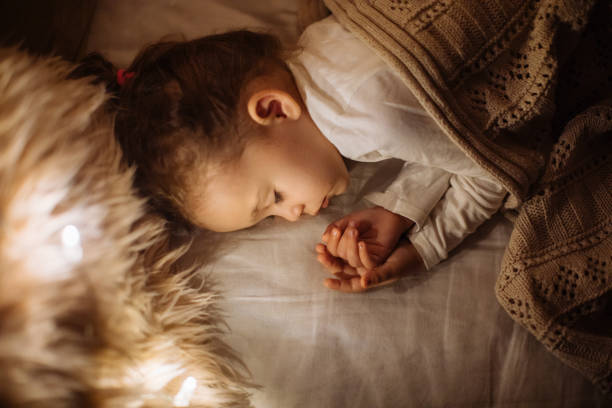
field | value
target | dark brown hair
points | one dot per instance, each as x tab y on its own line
180	108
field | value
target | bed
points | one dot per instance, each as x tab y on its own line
438	339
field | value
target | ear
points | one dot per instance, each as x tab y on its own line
272	106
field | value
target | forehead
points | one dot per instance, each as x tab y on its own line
223	198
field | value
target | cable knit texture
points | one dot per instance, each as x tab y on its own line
523	88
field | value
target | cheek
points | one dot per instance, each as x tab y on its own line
305	170
316	184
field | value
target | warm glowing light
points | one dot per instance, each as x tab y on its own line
71	236
71	240
183	397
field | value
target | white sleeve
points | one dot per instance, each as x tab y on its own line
414	192
468	202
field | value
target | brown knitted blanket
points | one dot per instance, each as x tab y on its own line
525	89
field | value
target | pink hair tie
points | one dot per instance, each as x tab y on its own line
123	75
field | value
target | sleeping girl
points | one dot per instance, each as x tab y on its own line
229	129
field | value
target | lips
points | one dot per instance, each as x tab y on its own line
325	202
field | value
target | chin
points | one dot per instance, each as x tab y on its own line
343	185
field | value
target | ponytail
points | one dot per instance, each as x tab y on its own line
100	71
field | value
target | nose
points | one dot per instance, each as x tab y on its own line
292	212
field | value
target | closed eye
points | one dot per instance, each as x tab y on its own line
278	197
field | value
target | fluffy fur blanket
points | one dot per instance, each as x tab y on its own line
524	88
95	310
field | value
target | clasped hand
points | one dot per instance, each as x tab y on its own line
365	249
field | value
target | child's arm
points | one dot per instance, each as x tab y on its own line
468	202
377	229
402	261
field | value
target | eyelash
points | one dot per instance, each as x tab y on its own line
278	197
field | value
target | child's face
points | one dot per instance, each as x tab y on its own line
292	170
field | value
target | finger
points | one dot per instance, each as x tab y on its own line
349	270
344	275
352	285
369	281
342	223
403	259
378	277
328	260
326	234
335	265
352	250
332	243
381	274
332	264
338	224
364	256
347	240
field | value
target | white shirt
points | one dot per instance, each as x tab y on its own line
368	113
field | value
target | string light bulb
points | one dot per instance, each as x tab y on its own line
71	242
183	397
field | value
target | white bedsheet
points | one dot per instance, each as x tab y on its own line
436	340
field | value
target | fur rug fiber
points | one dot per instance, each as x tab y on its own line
95	308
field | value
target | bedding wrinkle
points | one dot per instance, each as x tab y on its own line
513	364
306	298
448	309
